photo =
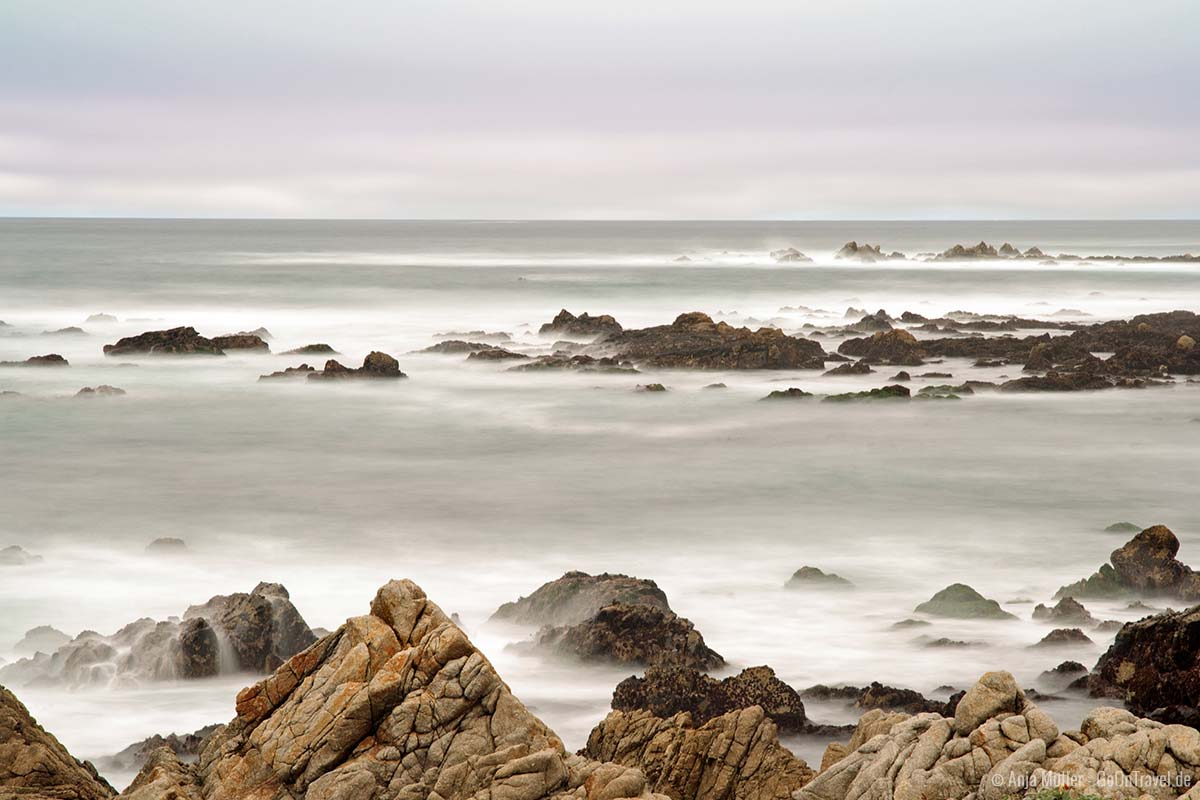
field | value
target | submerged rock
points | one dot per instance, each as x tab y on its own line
893	392
897	347
580	363
650	387
851	368
1123	527
103	319
34	765
578	596
241	341
495	354
376	365
632	634
1068	611
175	341
813	578
312	349
167	546
566	323
457	346
960	601
791	393
289	372
48	360
790	255
16	556
1063	637
103	390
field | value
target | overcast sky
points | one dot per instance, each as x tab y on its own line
572	109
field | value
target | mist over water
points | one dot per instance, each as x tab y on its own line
481	484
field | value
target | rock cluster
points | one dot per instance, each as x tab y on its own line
567	324
790	255
580	363
1068	611
998	745
175	341
242	341
312	349
1144	565
376	365
185	746
865	253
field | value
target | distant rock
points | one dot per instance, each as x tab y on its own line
893	392
900	377
167	546
650	387
791	393
1123	527
1068	611
495	354
241	341
1063	637
814	578
103	390
312	349
35	766
864	253
790	255
43	639
576	363
457	346
287	373
851	368
716	386
879	321
960	601
682	260
578	596
101	319
897	347
1008	251
49	360
566	323
375	366
16	556
960	253
878	696
175	341
494	337
1145	565
186	747
71	331
626	633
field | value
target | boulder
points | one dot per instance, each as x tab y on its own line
851	368
577	597
288	372
694	341
790	255
241	341
892	392
879	696
376	365
667	691
650	387
312	349
566	323
1063	637
48	360
791	393
864	253
262	627
495	354
626	633
175	341
1123	527
960	253
959	601
1068	611
814	578
457	346
1153	663
35	766
103	390
735	756
897	347
1145	565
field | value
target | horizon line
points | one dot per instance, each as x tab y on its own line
503	220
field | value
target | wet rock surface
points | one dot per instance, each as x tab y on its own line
567	324
578	596
174	341
626	633
1153	663
242	341
375	366
1145	565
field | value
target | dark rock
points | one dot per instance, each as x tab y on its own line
633	634
865	253
241	341
1067	668
959	253
263	628
694	341
912	623
898	347
186	747
34	765
1146	565
578	363
176	341
495	354
566	323
1058	382
577	597
1063	637
893	392
199	649
667	691
455	346
375	366
103	390
791	393
311	349
947	642
960	601
716	386
1153	663
851	368
1123	527
650	387
877	696
900	377
813	578
879	321
1068	611
49	360
289	372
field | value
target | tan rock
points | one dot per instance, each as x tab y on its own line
34	765
993	693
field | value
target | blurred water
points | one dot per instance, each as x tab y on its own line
480	484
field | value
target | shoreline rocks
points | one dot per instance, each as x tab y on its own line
567	324
624	633
182	341
48	360
577	597
1145	565
375	366
33	764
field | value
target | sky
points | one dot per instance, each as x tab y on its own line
544	109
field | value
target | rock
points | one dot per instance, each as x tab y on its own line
185	747
263	628
716	386
864	253
1067	668
455	346
34	766
566	323
1068	611
1058	382
790	255
495	354
734	756
1123	527
959	601
17	556
376	365
851	368
791	393
897	347
900	377
199	653
103	390
632	634
667	691
580	362
396	704
1063	637
1008	251
893	392
1152	663
288	372
71	331
311	349
42	638
167	546
681	260
650	387
912	623
1146	564
577	597
1185	343
164	777
889	698
694	341
176	341
241	341
48	360
813	578
958	252
103	319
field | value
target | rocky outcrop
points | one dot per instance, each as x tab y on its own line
242	341
790	255
394	705
185	746
578	596
48	360
103	390
851	368
880	696
260	630
43	638
959	601
694	341
579	363
16	556
892	392
626	633
375	366
865	253
897	347
495	354
814	578
790	393
1144	565
1068	611
999	744
736	756
176	341
312	350
288	373
35	766
961	253
667	691
567	324
1063	637
1153	663
456	347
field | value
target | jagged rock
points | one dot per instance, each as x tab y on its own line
864	253
1066	668
1068	611
566	323
48	360
732	757
1058	382
1008	250
42	638
851	368
103	390
960	601
1153	662
175	341
495	354
1063	637
375	366
959	252
897	347
186	747
263	628
288	372
17	556
35	766
577	597
694	341
241	341
312	349
164	777
1146	564
893	392
455	346
667	691
632	634
650	387
396	705
791	393
580	362
879	696
813	578
790	255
